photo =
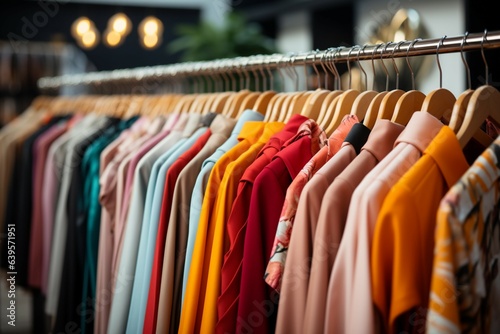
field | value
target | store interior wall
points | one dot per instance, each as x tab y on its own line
440	18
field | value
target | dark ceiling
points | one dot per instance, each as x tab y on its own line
54	23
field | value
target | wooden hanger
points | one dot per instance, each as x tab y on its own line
411	101
459	110
248	102
483	105
294	101
374	106
314	102
284	113
236	103
219	101
363	100
407	105
186	107
227	105
388	104
362	103
162	105
169	103
262	101
372	111
340	109
440	101
297	104
328	107
198	102
211	97
273	107
327	102
177	108
331	105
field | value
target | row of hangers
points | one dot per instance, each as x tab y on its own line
464	114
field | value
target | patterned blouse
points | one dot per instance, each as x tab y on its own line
465	286
276	265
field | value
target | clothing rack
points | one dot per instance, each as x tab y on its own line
418	47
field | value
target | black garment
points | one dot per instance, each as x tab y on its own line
70	307
19	202
18	212
357	136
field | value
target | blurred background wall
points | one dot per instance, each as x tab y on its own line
38	38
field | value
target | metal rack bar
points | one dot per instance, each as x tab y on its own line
476	41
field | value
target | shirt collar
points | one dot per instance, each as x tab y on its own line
251	130
270	129
222	125
192	124
477	181
181	122
248	115
420	130
313	130
309	140
170	123
445	150
382	138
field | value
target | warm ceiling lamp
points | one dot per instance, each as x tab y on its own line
150	41
81	26
151	26
151	31
120	23
89	39
112	38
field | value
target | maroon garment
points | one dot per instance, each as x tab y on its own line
168	194
258	302
40	151
227	304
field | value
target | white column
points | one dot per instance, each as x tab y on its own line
294	35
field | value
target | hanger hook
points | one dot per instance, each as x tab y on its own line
335	55
398	46
269	72
322	63
467	68
361	67
331	65
484	58
294	70
239	65
408	62
382	51
373	64
315	54
279	65
261	69
438	62
349	64
230	72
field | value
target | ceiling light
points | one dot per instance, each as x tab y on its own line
120	23
150	26
112	38
89	39
80	26
150	41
